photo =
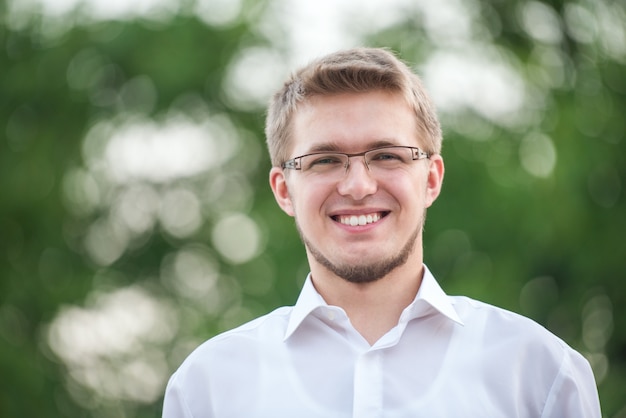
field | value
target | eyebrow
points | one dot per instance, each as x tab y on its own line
333	147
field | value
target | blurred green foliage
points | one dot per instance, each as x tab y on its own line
114	264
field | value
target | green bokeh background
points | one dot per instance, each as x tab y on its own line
96	312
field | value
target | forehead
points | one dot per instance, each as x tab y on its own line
353	122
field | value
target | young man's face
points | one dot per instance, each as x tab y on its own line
391	202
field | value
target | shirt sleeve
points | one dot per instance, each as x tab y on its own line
174	405
574	393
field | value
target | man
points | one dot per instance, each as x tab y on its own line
355	146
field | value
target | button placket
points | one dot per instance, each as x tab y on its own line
368	385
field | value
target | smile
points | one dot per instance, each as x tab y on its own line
359	220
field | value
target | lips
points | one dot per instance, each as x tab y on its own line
359	220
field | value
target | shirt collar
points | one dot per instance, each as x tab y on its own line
429	298
307	302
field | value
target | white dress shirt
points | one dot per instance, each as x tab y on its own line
447	357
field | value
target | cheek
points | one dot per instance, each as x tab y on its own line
309	196
308	203
298	197
406	190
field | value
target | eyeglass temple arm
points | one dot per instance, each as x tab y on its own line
418	154
293	164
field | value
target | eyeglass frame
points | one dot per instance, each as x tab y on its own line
296	162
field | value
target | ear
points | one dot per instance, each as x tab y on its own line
278	183
435	179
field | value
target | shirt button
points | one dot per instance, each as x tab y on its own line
330	314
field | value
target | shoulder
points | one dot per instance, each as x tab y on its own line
515	351
264	330
476	312
226	364
511	331
235	349
504	334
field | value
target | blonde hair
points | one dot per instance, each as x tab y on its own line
356	70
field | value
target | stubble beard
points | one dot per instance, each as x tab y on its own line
365	272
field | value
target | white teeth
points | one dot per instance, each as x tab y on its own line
361	220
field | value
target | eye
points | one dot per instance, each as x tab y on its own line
388	156
383	156
323	161
326	161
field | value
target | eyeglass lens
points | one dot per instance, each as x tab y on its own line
380	158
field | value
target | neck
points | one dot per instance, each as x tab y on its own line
374	307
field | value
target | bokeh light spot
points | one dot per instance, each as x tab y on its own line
180	213
237	238
538	155
108	345
541	22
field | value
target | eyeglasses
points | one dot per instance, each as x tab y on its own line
337	163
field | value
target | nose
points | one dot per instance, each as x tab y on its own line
358	181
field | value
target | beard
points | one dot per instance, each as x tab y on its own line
365	272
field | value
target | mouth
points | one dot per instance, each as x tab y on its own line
361	219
